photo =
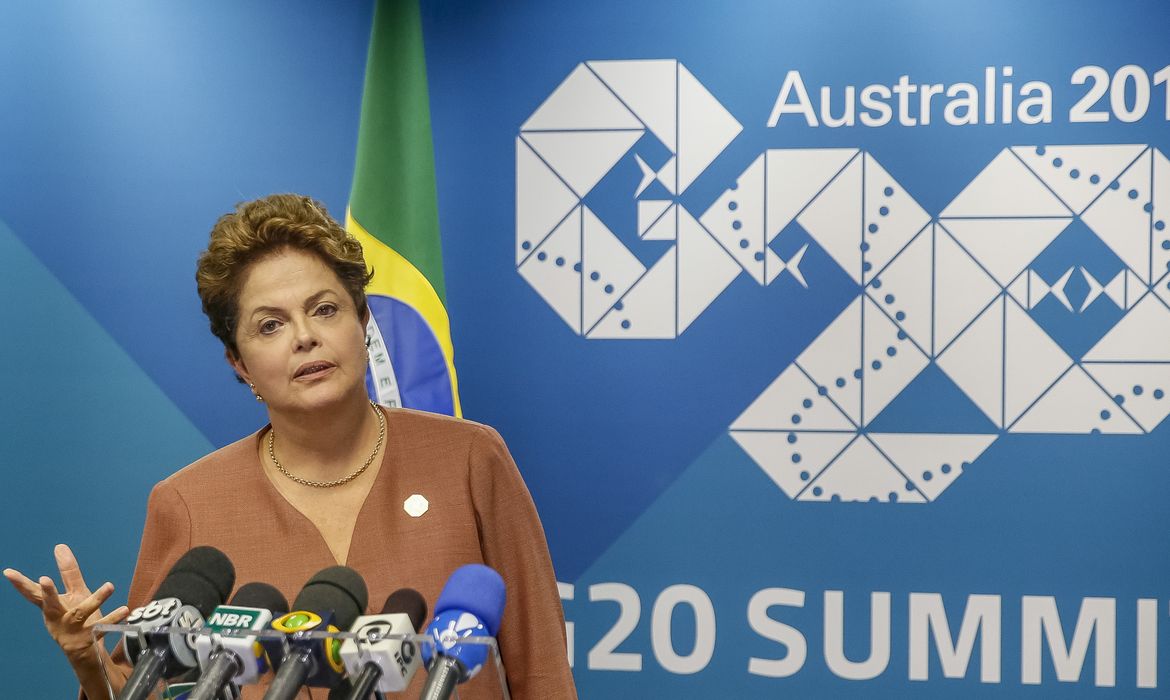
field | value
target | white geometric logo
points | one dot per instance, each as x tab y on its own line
566	147
967	293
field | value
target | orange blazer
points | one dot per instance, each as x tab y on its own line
479	511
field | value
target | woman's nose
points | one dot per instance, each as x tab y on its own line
304	335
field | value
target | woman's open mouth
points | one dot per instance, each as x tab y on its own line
313	370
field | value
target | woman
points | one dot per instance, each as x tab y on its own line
403	497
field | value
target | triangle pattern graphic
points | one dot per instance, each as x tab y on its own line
975	362
889	363
649	211
790	459
1143	334
1005	246
648	88
961	289
1005	189
542	200
892	217
833	360
932	462
647	310
1161	288
1115	288
704	128
665	228
773	266
647	178
1032	361
1134	289
906	285
559	285
1095	289
1018	290
833	219
668	175
617	269
1075	404
1161	214
861	473
932	403
792	402
736	220
582	158
794	177
704	269
1118	217
581	102
1143	389
1037	289
1077	174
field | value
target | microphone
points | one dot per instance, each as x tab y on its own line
376	663
199	581
471	604
332	599
230	659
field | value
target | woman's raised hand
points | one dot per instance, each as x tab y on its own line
69	616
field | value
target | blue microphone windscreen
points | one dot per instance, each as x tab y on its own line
477	589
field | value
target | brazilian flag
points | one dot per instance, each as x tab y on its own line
393	212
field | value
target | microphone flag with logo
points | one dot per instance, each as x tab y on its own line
470	605
374	662
198	582
331	601
393	211
224	657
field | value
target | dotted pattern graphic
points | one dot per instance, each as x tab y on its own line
991	292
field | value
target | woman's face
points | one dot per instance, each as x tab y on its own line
300	339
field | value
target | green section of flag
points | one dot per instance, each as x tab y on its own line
393	194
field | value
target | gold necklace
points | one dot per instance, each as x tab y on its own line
335	482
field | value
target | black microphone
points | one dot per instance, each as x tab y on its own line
233	658
331	601
376	663
199	581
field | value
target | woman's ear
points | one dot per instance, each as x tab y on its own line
237	364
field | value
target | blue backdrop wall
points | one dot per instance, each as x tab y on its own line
747	288
127	129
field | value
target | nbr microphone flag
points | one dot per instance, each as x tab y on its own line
393	212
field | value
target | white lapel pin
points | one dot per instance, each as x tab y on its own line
416	505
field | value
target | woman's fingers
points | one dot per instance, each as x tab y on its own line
67	620
71	578
25	586
51	600
114	617
92	604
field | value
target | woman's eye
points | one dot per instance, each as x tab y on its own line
326	310
269	326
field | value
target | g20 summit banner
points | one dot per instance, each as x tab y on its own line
833	341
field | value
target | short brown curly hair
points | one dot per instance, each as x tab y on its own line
259	228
